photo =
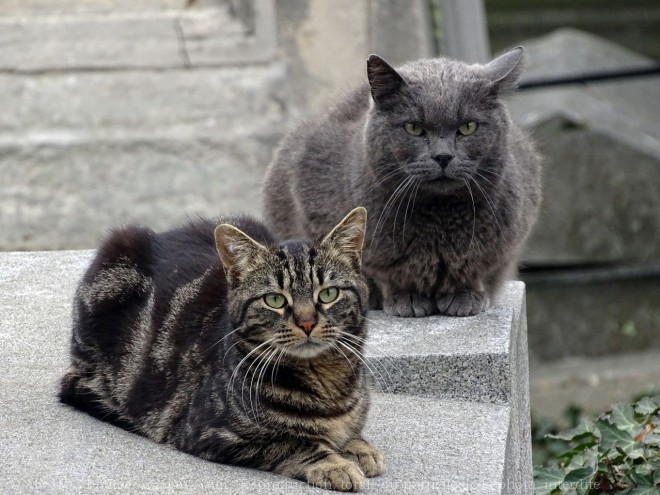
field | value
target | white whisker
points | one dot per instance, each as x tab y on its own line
371	369
363	342
223	338
388	205
238	366
474	216
485	195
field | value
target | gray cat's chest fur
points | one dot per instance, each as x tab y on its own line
440	237
435	244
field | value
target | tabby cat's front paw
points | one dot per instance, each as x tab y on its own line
463	303
408	305
336	473
370	460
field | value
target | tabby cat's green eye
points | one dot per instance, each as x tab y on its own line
275	301
468	128
413	129
328	295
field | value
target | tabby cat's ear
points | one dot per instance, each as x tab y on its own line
385	82
505	70
238	251
348	236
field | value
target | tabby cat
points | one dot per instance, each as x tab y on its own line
430	150
252	357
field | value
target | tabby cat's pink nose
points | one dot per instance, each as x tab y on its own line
307	325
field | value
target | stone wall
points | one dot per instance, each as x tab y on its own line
159	110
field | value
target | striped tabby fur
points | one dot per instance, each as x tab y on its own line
173	339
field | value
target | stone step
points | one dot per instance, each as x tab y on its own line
86	151
455	419
157	37
90	104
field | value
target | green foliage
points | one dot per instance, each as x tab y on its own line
618	452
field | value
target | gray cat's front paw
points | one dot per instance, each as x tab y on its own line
463	303
408	305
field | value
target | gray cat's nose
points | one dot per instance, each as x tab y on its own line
443	160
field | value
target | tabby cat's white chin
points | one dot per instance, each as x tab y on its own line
308	349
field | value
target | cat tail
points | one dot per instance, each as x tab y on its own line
129	247
117	284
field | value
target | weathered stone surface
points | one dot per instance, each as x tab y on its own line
232	100
155	37
77	158
601	144
326	44
150	111
592	383
391	36
17	8
434	444
87	188
306	28
207	40
593	313
31	44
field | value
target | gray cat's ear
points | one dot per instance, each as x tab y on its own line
506	69
385	82
348	236
238	251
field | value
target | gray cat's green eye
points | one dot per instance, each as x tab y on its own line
275	301
413	129
468	128
328	295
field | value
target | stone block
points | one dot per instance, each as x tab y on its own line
601	144
89	104
474	441
595	312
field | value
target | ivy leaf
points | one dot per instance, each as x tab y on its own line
647	406
644	469
635	452
638	479
613	437
623	417
651	439
646	490
618	452
579	479
546	480
584	430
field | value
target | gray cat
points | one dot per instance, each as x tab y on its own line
453	185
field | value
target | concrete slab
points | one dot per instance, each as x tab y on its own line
434	444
